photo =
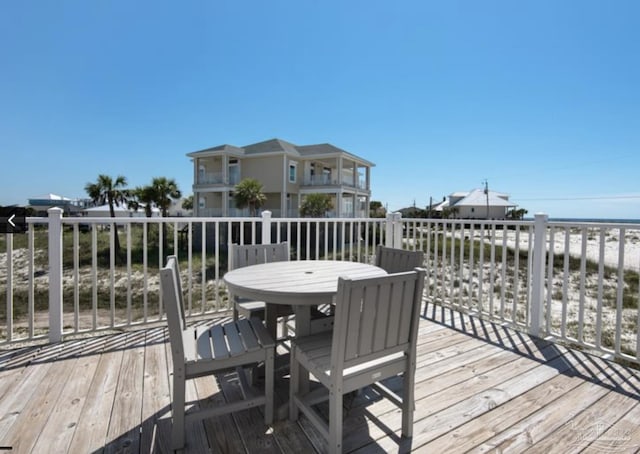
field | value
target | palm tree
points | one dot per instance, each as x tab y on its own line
164	191
316	205
110	191
248	193
142	196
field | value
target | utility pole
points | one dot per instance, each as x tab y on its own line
486	192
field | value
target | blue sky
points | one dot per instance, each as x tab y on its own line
541	98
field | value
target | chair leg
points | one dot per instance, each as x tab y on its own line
268	386
408	399
294	382
335	422
177	411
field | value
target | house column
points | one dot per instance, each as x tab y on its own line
283	190
338	204
225	169
225	203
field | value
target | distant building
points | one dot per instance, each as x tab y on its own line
287	172
476	204
72	207
120	211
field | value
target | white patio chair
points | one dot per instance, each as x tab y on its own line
398	260
254	254
373	338
207	350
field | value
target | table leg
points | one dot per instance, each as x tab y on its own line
303	328
271	319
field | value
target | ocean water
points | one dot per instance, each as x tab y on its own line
605	221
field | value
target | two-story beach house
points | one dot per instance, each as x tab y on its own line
287	172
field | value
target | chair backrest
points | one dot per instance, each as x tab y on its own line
254	254
376	317
398	260
172	300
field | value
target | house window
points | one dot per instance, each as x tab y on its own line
234	171
292	171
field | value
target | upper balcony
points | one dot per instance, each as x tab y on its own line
217	178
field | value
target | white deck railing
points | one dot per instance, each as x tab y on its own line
64	276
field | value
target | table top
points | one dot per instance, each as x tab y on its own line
306	282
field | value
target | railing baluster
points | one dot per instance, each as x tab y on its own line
481	270
9	301
600	290
55	278
145	277
461	265
516	283
503	274
551	255
76	278
31	283
472	242
583	277
492	268
129	296
620	291
203	260
565	282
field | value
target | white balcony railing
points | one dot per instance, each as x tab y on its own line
319	180
576	283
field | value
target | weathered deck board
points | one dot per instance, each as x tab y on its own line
479	387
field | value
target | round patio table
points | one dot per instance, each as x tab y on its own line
301	284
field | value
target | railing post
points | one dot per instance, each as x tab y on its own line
266	227
536	304
388	237
397	230
393	233
55	274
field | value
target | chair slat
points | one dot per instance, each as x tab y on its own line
368	319
261	332
383	309
220	349
236	346
203	343
248	336
352	340
405	314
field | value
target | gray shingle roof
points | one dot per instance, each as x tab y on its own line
280	146
270	146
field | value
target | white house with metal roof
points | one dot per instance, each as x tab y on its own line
287	172
477	204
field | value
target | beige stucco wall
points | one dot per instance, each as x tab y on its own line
267	170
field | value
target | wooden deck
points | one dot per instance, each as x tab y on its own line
480	387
